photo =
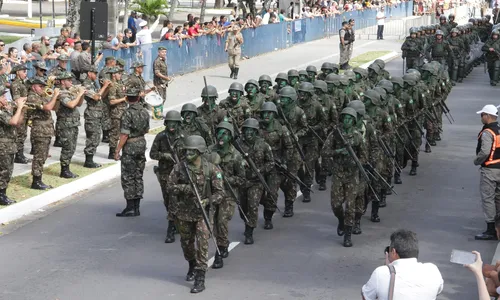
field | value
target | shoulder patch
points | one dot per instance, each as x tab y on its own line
389	119
423	95
361	94
219	175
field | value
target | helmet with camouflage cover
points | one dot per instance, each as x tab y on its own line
252	81
373	96
397	80
269	106
209	91
321	85
293	73
379	62
344	80
349	111
350	75
173	115
189	107
495	32
251	123
327	66
410	79
303	73
358	106
312	69
281	76
265	78
288	92
413	30
362	72
439	32
332	78
226	125
374	67
195	142
306	87
236	86
430	68
455	30
386	85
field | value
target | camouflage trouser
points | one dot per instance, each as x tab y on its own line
132	171
114	134
320	169
344	54
106	119
400	147
6	169
190	233
69	137
288	186
222	214
311	153
344	190
163	180
250	198
416	138
380	165
361	197
41	147
93	128
161	89
388	169
22	134
439	112
274	180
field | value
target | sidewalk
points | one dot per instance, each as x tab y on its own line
187	89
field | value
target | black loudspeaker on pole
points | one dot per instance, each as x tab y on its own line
93	23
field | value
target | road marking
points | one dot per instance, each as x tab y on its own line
126	235
231	247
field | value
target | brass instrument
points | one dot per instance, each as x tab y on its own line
49	89
28	106
75	89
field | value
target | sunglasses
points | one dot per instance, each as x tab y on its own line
2	45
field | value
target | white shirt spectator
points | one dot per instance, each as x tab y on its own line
265	19
380	14
144	35
414	281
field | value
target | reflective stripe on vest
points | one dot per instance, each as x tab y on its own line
495	149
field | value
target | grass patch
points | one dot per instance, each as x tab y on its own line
19	187
9	39
366	57
157	130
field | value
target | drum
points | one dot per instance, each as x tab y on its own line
153	99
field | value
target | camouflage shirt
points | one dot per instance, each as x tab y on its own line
261	154
316	119
343	165
297	119
238	112
56	71
209	183
160	150
212	117
7	133
18	89
232	165
43	125
255	104
332	117
136	81
160	66
94	108
135	124
197	127
278	137
66	116
117	91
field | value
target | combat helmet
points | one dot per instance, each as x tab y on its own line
455	30
209	91
332	78
189	107
269	106
410	79
327	66
358	106
266	78
252	81
350	75
226	125
306	87
236	86
303	73
375	68
288	92
442	17
413	30
173	115
312	69
373	96
292	73
397	80
439	32
350	111
321	85
195	142
360	71
344	80
386	85
416	72
451	16
380	63
281	76
251	123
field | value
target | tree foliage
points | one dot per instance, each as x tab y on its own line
151	8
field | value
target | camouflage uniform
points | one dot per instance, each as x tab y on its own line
254	100
68	120
116	91
106	119
237	112
160	66
7	149
412	50
195	125
19	89
93	115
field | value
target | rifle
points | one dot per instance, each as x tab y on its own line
171	149
199	205
254	168
372	170
315	134
403	143
446	109
410	138
295	140
422	132
291	176
234	194
356	160
388	152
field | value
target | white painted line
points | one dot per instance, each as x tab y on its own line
231	247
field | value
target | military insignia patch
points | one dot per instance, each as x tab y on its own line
219	176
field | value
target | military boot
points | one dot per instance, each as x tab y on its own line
495	75
428	148
21	159
4	200
397	178
490	233
57	142
288	209
339	213
248	235
453	76
218	262
236	70
389	181
137	205
111	154
461	73
357	224
437	136
129	210
268	219
374	217
66	173
383	198
306	196
232	73
89	162
347	236
190	273
170	233
199	282
224	252
413	171
38	184
322	186
105	136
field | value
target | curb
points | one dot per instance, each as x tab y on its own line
21	24
63	192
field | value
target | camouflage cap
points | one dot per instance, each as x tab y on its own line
93	69
64	75
40	65
133	91
108	58
63	57
114	70
161	48
18	68
137	64
37	80
120	62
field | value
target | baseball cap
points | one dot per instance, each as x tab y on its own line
489	109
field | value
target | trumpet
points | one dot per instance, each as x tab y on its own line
75	89
48	92
28	106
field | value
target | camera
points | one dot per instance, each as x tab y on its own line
386	249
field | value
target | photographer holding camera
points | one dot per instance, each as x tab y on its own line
403	277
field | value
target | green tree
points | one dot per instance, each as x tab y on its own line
151	8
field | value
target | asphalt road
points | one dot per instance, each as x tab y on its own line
80	250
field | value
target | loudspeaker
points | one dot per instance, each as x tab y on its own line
100	17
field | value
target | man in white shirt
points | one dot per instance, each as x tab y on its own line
380	22
414	280
265	18
144	35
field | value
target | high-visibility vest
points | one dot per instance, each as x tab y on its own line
493	160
